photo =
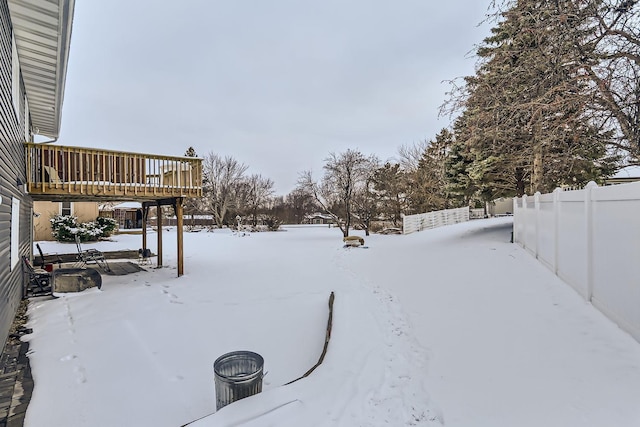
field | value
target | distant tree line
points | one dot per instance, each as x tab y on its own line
555	101
228	192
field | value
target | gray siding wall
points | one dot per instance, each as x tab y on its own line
12	170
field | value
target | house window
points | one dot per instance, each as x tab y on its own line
66	209
15	232
15	78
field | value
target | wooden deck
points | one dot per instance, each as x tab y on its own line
62	173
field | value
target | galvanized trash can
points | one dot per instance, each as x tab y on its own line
237	375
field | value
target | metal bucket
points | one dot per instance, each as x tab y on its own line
237	375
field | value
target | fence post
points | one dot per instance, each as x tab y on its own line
516	215
536	201
556	228
589	236
526	224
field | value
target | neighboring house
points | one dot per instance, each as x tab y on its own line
34	47
318	218
624	175
128	215
44	211
500	207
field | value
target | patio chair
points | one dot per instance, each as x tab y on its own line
39	280
144	256
91	256
51	175
42	259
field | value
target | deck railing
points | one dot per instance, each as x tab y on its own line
59	172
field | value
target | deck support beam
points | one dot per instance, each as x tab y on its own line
145	216
159	226
178	209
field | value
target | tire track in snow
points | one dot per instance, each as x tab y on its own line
399	393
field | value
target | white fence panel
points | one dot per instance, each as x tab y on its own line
476	213
572	240
529	231
425	221
591	239
519	223
546	229
616	253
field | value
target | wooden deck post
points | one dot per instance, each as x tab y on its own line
159	220
145	215
178	210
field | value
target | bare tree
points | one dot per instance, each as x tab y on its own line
297	204
258	195
365	205
345	175
222	180
615	72
410	155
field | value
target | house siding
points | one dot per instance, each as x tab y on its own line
84	211
12	171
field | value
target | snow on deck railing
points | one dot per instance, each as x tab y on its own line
425	221
590	239
56	171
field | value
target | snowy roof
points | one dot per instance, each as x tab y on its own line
628	172
319	215
128	205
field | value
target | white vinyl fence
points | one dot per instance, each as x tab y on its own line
476	213
590	238
424	221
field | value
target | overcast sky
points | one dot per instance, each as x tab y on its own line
277	84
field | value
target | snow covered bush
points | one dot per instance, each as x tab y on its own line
273	223
65	228
108	225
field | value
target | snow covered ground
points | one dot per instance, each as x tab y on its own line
453	326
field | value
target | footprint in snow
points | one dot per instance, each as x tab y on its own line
81	376
173	297
68	357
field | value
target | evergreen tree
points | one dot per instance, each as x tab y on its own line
428	190
192	206
527	124
191	152
389	184
460	186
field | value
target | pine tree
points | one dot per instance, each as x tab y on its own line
390	191
459	185
526	122
191	152
192	206
427	191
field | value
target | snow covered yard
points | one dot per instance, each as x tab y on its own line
452	326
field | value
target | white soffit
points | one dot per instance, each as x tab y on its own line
42	30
